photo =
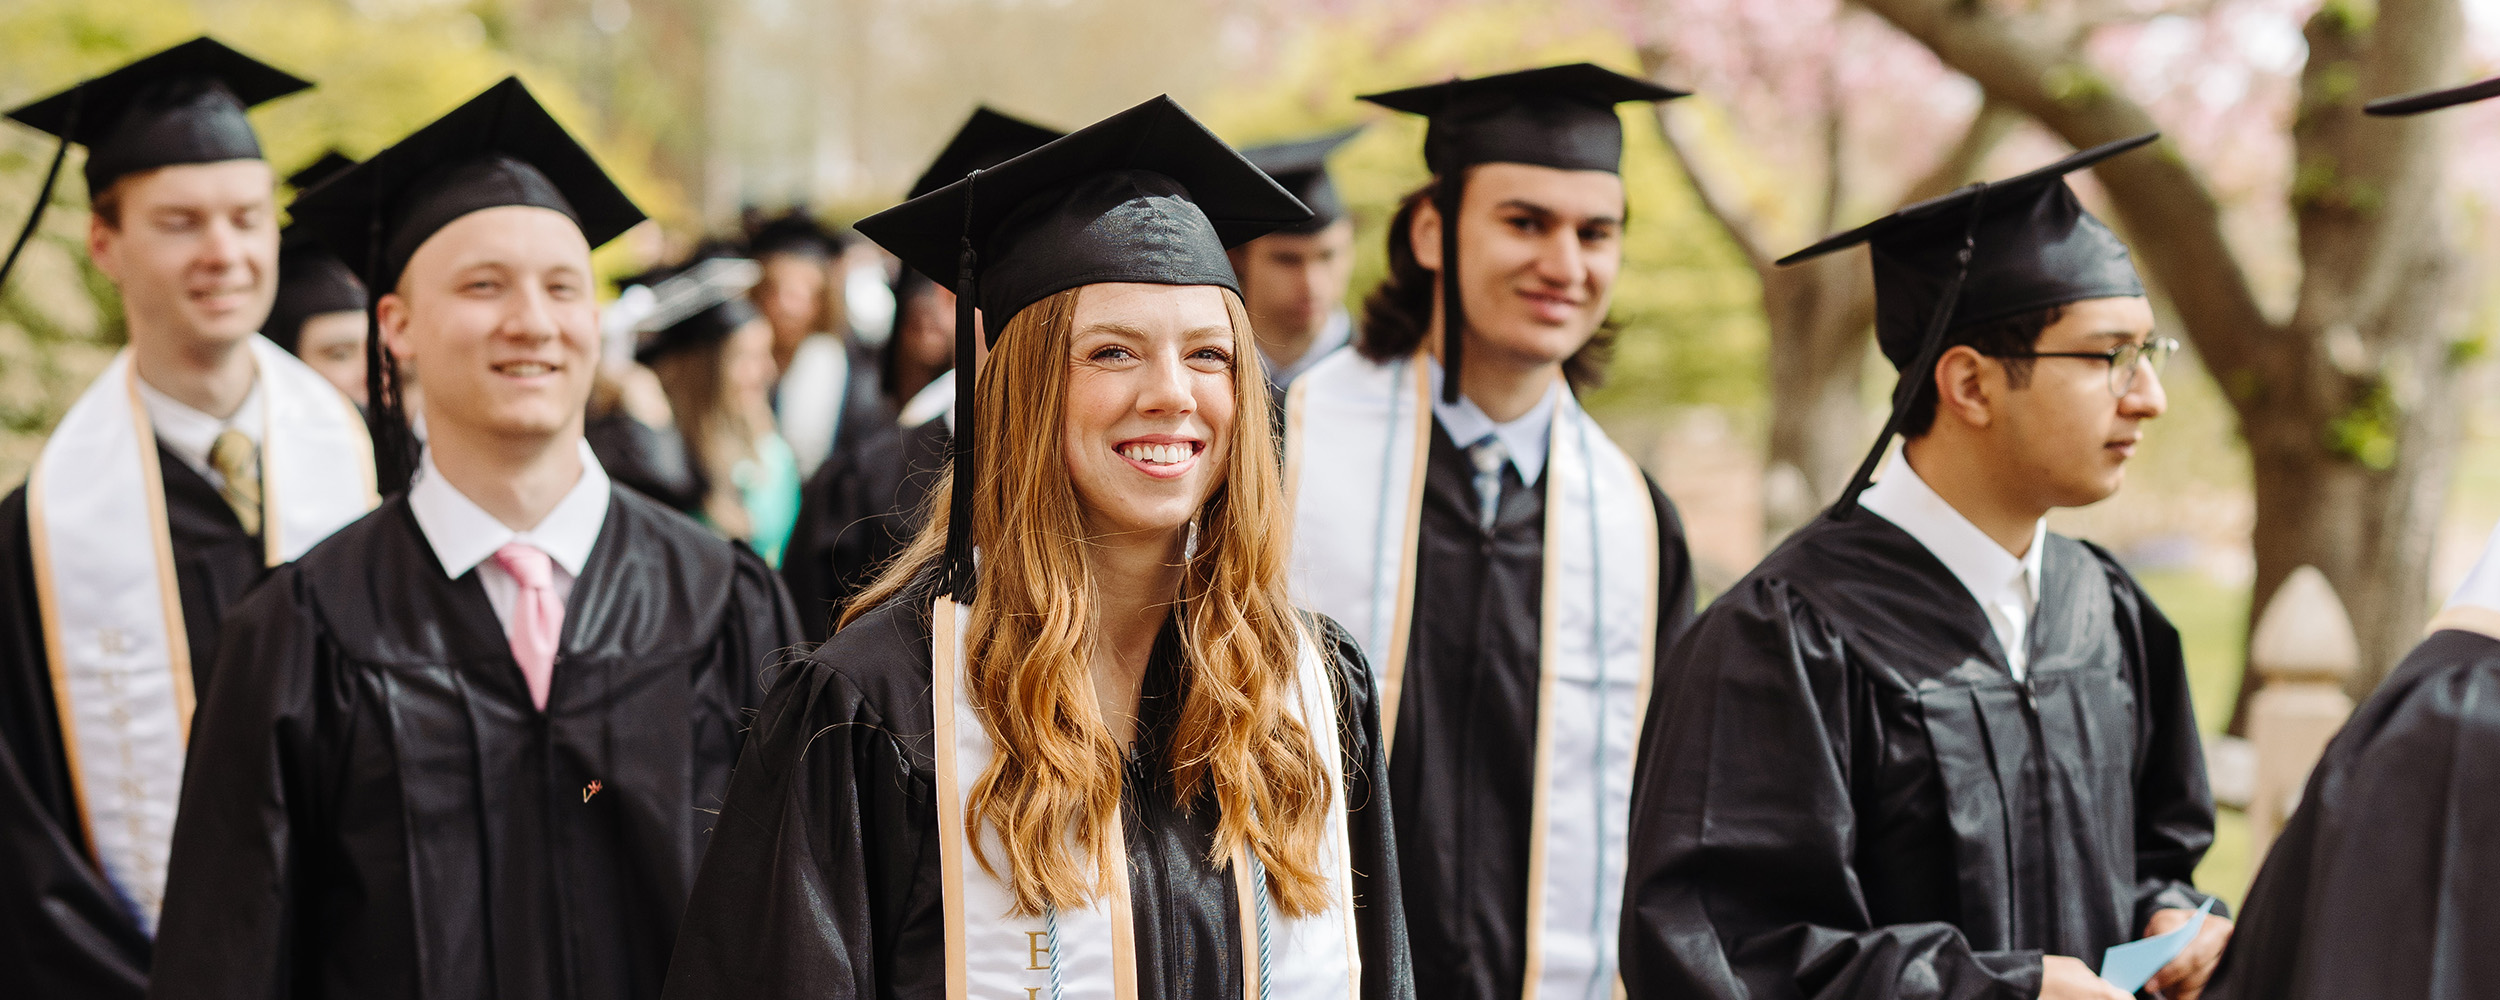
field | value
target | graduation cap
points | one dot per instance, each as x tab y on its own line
2433	100
499	149
987	139
1987	252
794	231
1557	116
1302	168
697	305
330	164
312	281
182	105
1148	195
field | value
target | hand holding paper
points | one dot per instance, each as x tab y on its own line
2129	966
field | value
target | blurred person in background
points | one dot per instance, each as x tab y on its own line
712	352
630	426
319	314
827	396
202	456
1295	280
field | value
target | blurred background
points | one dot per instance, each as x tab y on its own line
2327	271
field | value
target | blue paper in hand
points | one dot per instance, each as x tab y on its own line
2129	966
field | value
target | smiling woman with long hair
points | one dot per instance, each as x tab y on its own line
1075	741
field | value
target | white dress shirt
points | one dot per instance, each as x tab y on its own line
1525	436
189	433
465	537
2006	587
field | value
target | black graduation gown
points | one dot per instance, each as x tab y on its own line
859	509
1844	792
374	809
652	460
63	929
1462	774
2382	883
823	881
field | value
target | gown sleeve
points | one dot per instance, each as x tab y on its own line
1380	908
1675	571
786	898
2380	885
230	889
2174	806
761	626
1741	882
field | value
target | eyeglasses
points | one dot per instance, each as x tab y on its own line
2126	361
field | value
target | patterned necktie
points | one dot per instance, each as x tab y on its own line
1489	456
537	616
238	462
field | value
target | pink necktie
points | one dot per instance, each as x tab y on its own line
537	616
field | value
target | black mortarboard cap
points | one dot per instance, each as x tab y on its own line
181	105
698	304
1148	195
987	139
501	148
1302	168
1557	116
312	281
1984	253
330	164
2433	100
794	231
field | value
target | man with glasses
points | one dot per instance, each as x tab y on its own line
1927	749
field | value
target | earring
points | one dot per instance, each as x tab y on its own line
1189	549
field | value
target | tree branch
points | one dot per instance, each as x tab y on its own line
1718	196
2169	215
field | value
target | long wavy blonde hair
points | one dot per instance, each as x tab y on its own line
1057	769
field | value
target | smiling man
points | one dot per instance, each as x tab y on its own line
202	456
466	747
1927	749
1512	575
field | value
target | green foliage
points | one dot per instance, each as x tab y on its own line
2074	84
2367	433
2346	18
1687	305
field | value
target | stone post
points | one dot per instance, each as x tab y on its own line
2304	649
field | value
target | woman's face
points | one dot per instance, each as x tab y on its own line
747	364
1150	404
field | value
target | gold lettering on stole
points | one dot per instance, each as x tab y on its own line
1037	951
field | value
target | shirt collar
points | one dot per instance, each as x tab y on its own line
189	432
1525	437
1983	566
1332	335
463	534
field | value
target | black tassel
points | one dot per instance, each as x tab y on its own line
34	217
959	575
394	442
1453	315
1920	375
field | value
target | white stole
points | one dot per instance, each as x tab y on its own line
112	609
811	397
1065	955
1357	439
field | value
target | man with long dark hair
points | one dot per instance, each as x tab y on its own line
1514	575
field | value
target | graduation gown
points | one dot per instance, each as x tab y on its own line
62	925
1844	792
859	509
1461	774
375	809
823	877
2381	884
650	459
